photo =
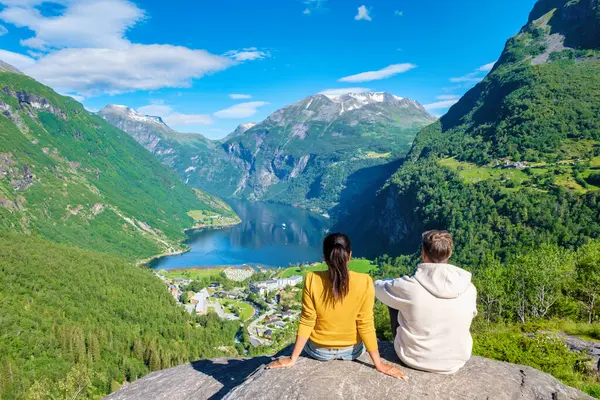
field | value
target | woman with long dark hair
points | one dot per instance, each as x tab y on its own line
337	312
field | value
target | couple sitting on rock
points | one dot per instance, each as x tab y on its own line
431	312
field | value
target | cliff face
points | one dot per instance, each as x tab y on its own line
309	379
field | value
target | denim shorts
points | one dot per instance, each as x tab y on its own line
324	354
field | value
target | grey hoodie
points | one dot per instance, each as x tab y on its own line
437	306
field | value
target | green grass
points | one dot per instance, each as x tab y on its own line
246	310
192	273
583	330
534	346
357	265
210	218
471	173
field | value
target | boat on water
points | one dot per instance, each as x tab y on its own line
283	226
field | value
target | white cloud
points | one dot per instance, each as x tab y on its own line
3	30
84	49
35	54
248	54
399	13
448	97
242	110
440	104
475	76
173	118
487	67
239	96
386	72
17	60
179	119
138	67
155	109
363	14
75	97
471	77
312	5
343	91
83	23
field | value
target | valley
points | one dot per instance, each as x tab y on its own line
269	235
232	226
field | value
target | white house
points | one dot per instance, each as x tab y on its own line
271	285
200	300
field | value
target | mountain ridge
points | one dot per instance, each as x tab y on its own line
287	157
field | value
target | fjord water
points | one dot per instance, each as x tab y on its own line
260	239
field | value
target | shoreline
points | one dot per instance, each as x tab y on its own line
215	227
147	261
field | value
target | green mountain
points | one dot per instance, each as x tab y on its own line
69	176
540	102
76	324
303	154
515	162
78	318
194	157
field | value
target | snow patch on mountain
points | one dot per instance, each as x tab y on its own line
132	114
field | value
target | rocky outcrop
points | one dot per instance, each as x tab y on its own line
39	103
584	346
309	379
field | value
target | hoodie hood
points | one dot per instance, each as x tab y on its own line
444	281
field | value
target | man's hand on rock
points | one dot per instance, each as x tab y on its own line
282	363
391	371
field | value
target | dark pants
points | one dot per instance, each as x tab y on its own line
394	321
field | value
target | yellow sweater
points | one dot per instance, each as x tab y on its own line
339	324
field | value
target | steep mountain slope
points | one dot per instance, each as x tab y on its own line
540	97
513	163
69	176
198	160
302	154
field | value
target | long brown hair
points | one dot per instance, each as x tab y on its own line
336	251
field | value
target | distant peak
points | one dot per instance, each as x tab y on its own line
131	114
246	126
364	97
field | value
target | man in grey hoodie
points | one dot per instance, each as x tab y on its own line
432	311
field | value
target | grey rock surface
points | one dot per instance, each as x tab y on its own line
309	379
586	346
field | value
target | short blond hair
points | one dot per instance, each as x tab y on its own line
438	245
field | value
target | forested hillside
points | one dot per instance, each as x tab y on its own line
76	323
515	162
69	176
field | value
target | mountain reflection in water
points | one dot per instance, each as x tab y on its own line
270	235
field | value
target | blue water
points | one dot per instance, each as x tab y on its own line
260	239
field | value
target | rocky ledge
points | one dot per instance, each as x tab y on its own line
309	379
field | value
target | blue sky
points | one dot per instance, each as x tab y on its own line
207	66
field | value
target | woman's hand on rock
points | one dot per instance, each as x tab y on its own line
391	371
282	363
